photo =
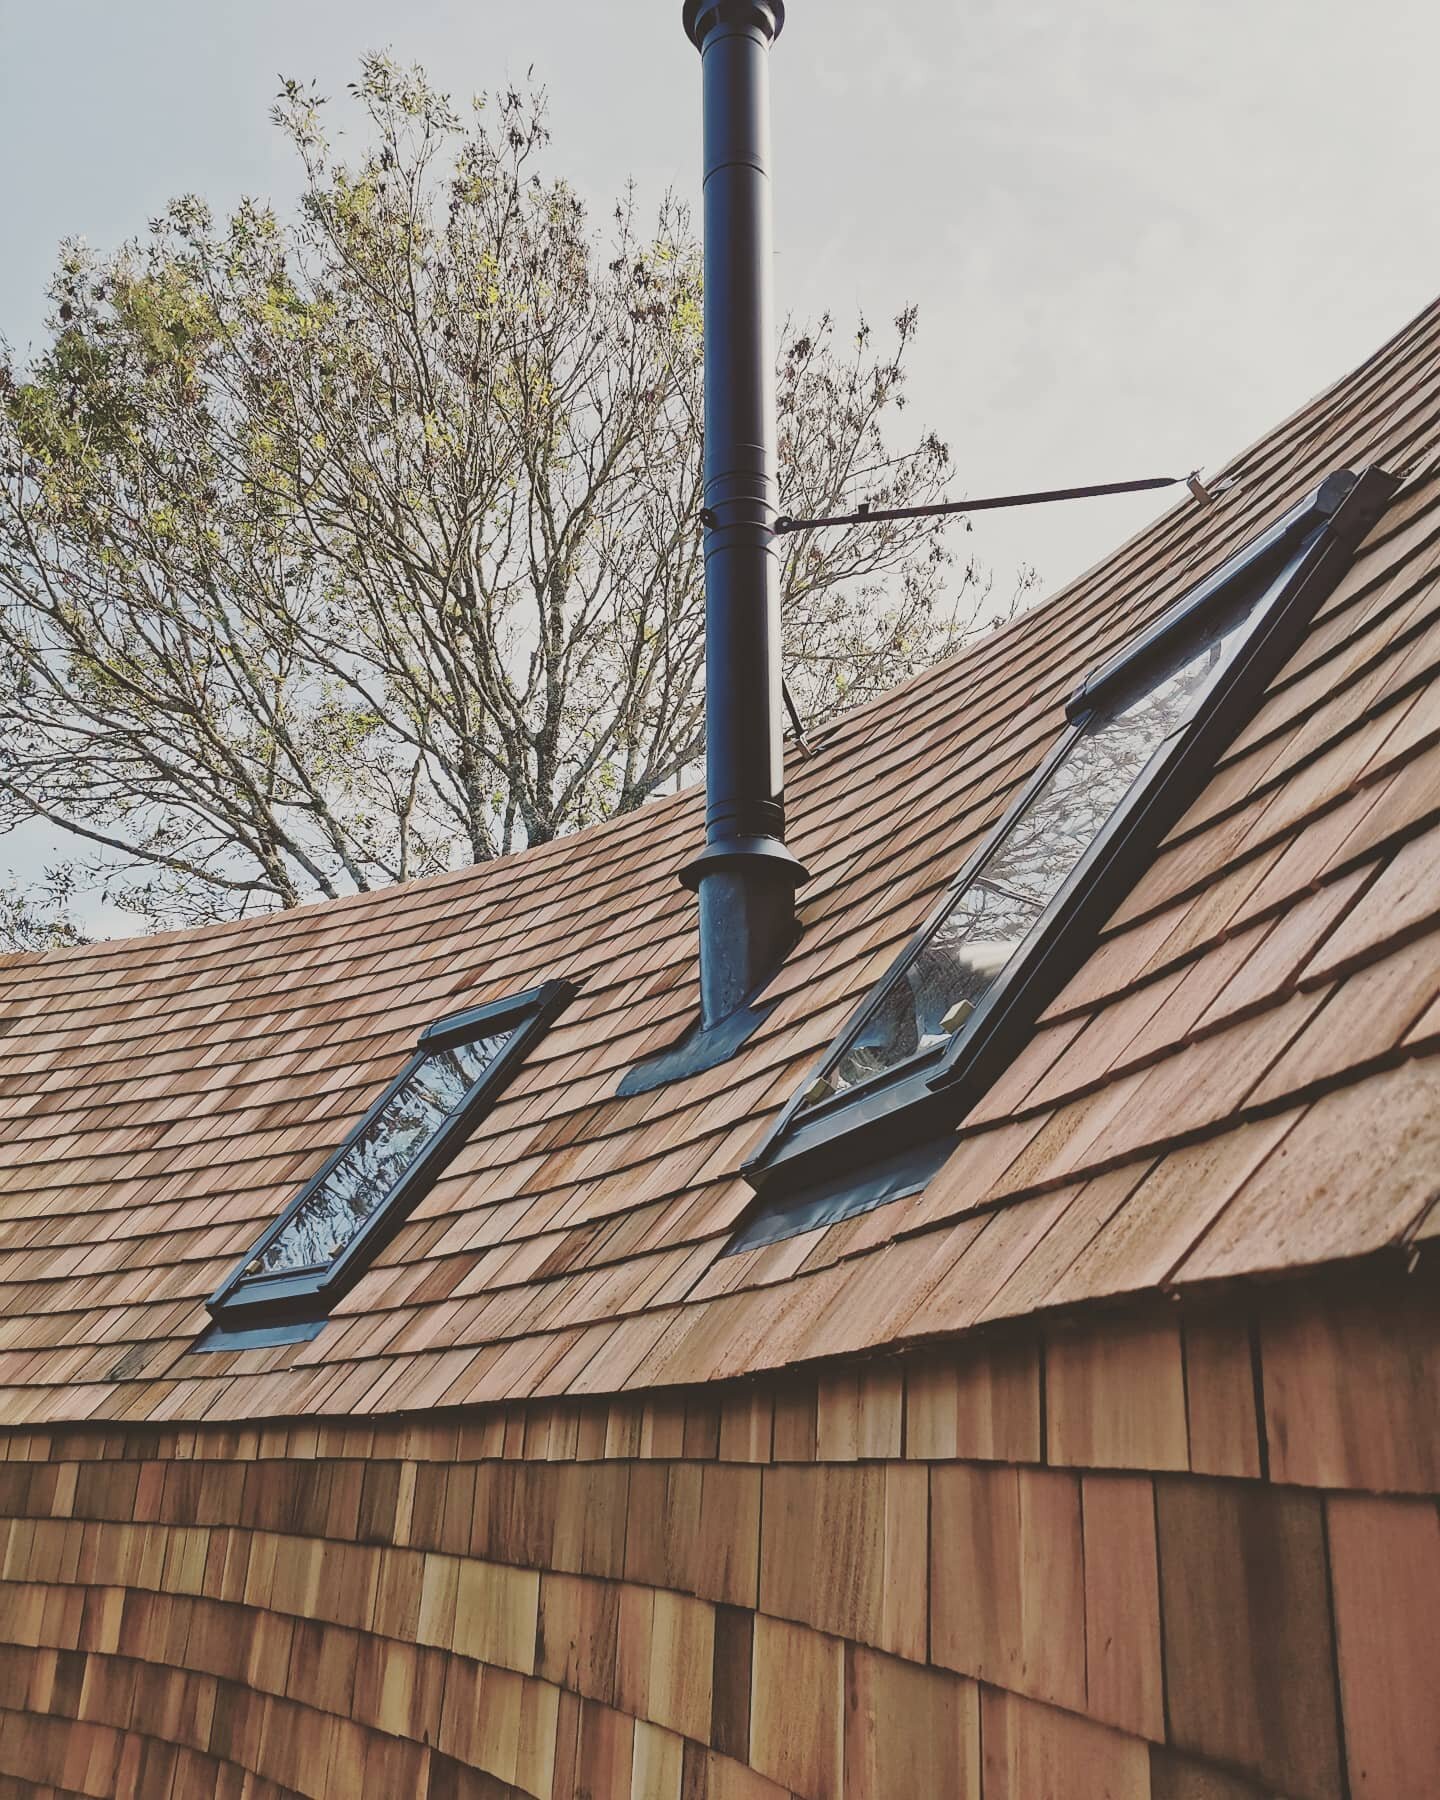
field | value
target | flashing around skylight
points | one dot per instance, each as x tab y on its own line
1142	735
346	1212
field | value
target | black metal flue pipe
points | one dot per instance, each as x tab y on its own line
745	876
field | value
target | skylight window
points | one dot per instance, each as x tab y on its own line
373	1165
345	1213
987	919
1143	732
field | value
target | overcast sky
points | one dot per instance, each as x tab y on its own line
1138	233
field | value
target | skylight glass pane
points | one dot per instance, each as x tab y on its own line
367	1174
988	919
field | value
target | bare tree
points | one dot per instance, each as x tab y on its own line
338	551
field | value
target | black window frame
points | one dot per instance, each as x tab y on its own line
283	1307
884	1137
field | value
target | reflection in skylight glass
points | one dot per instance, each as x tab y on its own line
935	991
367	1173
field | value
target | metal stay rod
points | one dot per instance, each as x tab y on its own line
868	515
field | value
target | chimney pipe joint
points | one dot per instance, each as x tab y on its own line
701	16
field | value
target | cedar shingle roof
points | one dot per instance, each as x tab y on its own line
1243	1080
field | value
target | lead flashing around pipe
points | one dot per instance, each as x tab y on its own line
697	1049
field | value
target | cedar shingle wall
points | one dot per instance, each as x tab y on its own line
1182	1555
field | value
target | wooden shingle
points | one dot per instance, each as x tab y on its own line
1247	1636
